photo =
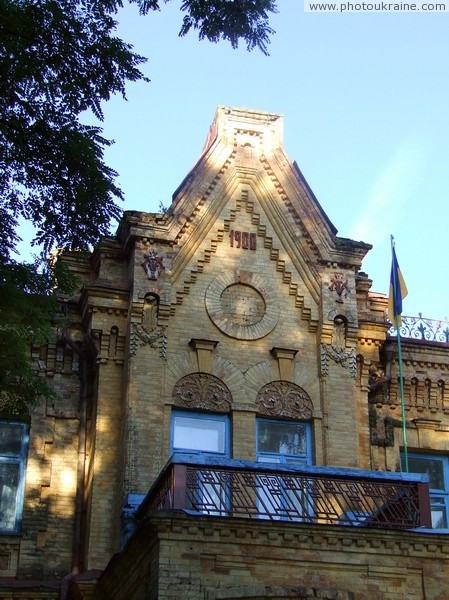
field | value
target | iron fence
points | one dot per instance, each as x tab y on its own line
297	494
420	328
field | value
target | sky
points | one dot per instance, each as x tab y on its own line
365	100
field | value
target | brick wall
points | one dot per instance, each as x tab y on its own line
185	557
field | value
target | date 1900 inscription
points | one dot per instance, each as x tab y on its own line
242	239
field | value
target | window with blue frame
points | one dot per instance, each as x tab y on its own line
207	435
202	433
437	468
13	453
285	442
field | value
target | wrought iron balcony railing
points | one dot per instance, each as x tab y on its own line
316	495
420	328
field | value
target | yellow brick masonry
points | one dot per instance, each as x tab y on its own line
244	365
235	362
215	558
46	543
341	435
243	441
245	183
107	490
253	356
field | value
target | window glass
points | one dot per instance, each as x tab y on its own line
205	434
437	468
201	433
9	488
432	467
11	437
438	512
280	496
282	439
13	448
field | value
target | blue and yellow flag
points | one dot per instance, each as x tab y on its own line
398	291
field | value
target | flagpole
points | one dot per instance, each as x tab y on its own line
401	379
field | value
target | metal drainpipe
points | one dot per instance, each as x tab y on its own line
81	467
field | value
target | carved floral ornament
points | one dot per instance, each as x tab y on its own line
156	339
148	331
152	264
284	399
339	285
337	351
202	391
344	358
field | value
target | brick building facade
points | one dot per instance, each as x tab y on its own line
237	335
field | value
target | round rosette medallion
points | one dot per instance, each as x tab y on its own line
241	305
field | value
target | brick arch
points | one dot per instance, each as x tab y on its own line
342	311
284	399
185	363
202	391
259	375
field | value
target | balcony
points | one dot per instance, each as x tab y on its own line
424	330
314	495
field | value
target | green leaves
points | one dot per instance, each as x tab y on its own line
26	308
58	59
231	20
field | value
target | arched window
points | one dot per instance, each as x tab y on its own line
283	435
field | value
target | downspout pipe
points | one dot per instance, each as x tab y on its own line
81	468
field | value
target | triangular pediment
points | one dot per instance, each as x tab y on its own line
244	150
245	184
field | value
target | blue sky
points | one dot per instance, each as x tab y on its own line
365	99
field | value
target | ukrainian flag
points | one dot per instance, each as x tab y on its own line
398	291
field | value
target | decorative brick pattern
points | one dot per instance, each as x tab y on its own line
129	343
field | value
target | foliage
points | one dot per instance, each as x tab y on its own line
27	312
59	59
231	20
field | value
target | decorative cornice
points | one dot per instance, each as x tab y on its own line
301	536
